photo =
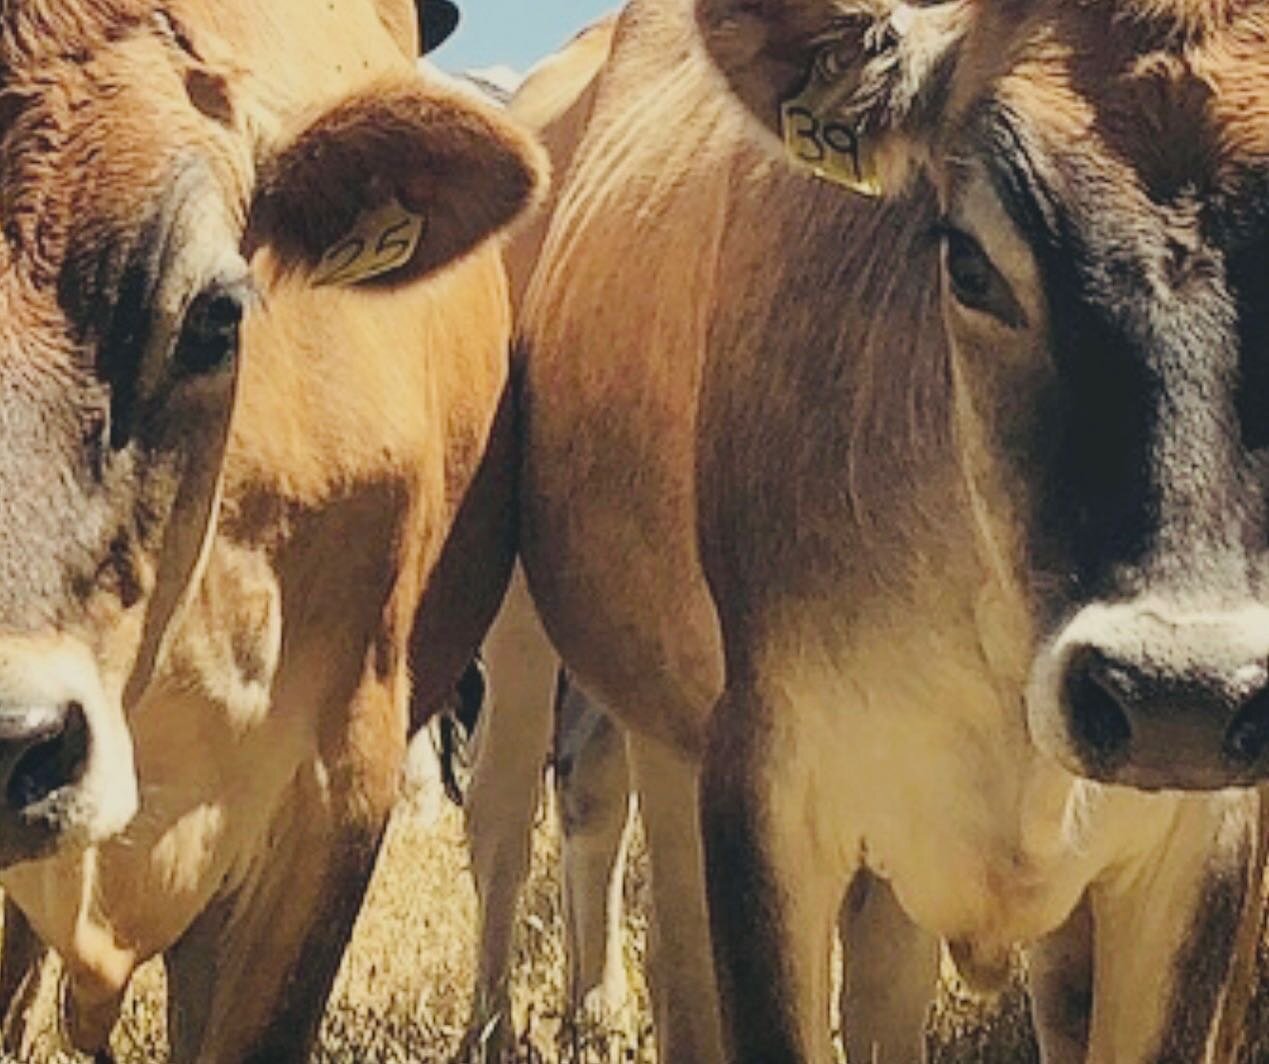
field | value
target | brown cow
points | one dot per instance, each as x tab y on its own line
213	552
514	738
921	524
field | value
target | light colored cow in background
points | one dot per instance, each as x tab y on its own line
532	714
530	718
979	521
228	562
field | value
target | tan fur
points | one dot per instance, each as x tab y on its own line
514	736
736	370
358	474
401	18
312	193
555	101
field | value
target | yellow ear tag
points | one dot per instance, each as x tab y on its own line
817	141
382	240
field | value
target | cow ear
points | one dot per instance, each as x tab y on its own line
853	90
392	183
438	19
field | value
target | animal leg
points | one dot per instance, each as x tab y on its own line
777	867
21	962
293	914
512	741
681	976
892	974
1165	928
1060	970
191	978
592	785
90	1007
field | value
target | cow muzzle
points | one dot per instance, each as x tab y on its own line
1156	697
66	762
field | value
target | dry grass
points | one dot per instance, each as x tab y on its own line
404	990
403	993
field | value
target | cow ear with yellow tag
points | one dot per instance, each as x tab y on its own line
853	93
392	183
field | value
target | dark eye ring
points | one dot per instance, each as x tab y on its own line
209	336
975	282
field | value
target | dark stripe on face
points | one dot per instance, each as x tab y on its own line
110	284
1147	477
1242	226
1023	191
73	516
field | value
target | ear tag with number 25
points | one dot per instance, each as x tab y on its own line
382	240
817	140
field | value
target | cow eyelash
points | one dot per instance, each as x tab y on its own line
210	333
973	279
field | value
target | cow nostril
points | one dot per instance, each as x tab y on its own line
50	762
1097	715
1248	735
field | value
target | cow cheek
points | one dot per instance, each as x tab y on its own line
178	558
230	639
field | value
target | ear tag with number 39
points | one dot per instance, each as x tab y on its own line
817	140
382	240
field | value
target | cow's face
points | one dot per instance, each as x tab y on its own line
139	188
1103	174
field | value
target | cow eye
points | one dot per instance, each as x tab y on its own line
209	338
975	282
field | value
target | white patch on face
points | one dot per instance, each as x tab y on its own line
1079	814
230	641
187	849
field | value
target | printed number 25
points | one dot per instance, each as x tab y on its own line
391	247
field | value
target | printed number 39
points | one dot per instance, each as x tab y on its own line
815	142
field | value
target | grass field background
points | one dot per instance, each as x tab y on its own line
405	988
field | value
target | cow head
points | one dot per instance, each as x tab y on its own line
151	199
1102	173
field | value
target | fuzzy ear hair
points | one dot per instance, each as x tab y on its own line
880	69
392	183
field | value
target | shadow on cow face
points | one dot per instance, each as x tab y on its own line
136	203
1103	175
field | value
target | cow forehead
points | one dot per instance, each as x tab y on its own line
93	145
1153	100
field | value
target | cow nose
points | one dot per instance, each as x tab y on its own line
1130	711
1097	698
1248	736
42	749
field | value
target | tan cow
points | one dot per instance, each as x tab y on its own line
922	524
530	717
213	551
526	721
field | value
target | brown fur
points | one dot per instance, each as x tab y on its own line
267	682
754	461
555	101
313	192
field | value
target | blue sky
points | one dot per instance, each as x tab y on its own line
514	32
